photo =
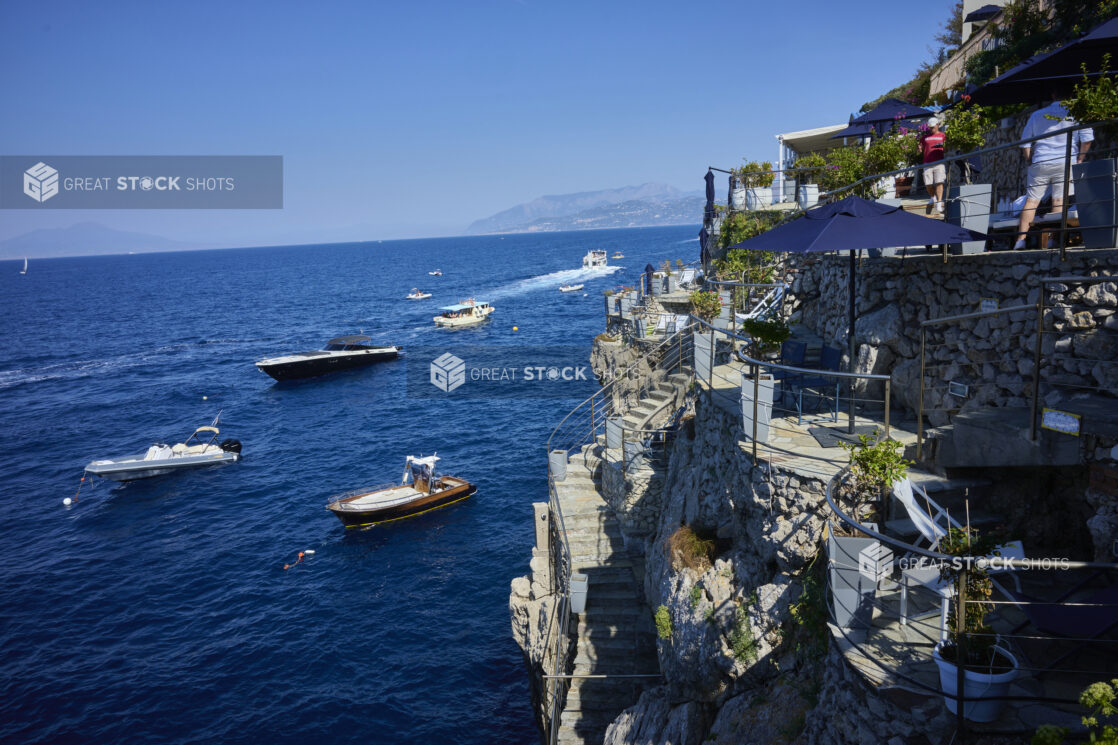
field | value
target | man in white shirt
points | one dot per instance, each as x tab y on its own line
1046	160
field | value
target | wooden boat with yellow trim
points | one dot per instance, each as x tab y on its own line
420	490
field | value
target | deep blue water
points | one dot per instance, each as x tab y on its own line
159	611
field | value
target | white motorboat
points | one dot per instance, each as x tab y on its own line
466	313
595	259
160	459
570	288
436	273
618	255
416	294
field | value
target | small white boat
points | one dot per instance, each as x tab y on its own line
618	255
160	459
24	270
570	288
595	259
436	273
417	295
466	313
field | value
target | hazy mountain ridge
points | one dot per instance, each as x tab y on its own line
87	239
543	209
643	213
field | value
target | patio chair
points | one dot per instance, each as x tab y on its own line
792	353
687	277
830	359
932	523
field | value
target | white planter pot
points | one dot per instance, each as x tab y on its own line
580	583
758	197
737	194
975	686
764	405
809	195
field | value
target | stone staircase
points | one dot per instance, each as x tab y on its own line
615	635
657	404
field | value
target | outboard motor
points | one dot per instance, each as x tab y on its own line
231	445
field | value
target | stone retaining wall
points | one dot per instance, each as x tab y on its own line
993	356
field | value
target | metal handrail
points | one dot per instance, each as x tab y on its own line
571	429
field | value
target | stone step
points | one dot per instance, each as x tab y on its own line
588	719
604	687
629	644
581	735
597	630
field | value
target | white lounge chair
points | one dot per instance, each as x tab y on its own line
933	522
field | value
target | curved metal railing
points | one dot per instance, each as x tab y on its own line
929	557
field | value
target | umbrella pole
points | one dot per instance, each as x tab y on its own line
850	341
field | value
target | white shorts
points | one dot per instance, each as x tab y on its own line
1046	175
936	174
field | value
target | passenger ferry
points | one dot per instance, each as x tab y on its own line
466	313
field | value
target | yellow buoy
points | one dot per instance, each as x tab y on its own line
515	328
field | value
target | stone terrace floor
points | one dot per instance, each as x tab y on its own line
891	652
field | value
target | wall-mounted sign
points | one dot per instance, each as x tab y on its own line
988	304
957	389
1060	421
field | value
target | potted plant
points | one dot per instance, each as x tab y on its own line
766	336
857	562
706	305
757	179
988	669
807	176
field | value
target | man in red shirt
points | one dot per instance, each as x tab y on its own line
934	175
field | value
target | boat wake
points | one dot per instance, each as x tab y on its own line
550	281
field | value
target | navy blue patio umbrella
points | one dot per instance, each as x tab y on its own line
852	224
1035	79
710	191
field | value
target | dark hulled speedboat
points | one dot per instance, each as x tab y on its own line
420	490
342	353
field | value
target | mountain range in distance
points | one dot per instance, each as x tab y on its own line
88	239
646	205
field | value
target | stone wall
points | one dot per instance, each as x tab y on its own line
993	356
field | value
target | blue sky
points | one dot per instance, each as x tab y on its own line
408	119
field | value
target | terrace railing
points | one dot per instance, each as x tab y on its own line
581	426
1099	647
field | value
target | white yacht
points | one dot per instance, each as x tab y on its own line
570	288
466	313
595	259
417	294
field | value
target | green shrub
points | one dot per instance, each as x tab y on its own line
1099	698
706	305
696	594
845	165
876	464
663	622
742	643
741	226
812	161
767	334
755	174
1096	99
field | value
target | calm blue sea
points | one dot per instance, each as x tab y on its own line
159	611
